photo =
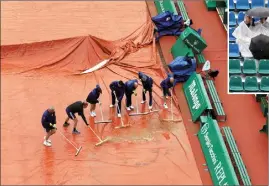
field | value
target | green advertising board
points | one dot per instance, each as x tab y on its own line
193	40
216	154
181	49
165	5
196	95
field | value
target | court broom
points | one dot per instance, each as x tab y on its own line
102	121
78	149
141	113
172	115
100	140
118	109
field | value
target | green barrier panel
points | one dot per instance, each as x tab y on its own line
264	106
193	40
210	5
197	98
181	49
216	154
166	5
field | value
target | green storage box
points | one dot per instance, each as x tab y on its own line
165	5
193	40
181	49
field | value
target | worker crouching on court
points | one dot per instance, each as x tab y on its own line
147	83
93	98
49	124
166	84
71	110
130	89
117	92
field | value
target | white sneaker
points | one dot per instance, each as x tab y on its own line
142	102
46	143
47	140
150	107
131	107
92	114
128	108
119	115
165	106
111	106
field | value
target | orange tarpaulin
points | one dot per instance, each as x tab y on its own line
38	75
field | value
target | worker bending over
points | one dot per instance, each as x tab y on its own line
93	98
147	83
49	124
166	84
71	110
130	88
117	89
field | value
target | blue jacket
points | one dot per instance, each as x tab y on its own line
166	82
94	95
114	86
48	118
129	86
148	83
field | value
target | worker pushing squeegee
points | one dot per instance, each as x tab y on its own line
166	84
117	91
93	98
147	83
130	89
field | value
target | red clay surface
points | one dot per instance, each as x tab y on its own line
39	75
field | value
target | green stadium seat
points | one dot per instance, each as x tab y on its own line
234	66
251	84
264	67
236	84
249	67
265	84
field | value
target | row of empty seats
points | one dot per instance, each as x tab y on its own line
251	84
246	4
249	67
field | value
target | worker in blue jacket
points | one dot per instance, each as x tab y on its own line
48	121
130	89
77	107
117	88
166	84
93	98
147	83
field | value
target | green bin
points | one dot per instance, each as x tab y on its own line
193	40
166	5
181	49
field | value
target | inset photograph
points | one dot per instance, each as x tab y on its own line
248	46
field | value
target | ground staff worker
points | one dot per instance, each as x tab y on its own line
93	98
166	84
71	110
130	88
48	121
117	88
147	83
